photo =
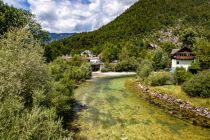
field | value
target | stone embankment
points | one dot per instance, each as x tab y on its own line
182	109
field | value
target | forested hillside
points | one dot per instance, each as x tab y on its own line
150	20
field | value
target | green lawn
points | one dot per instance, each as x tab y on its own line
177	92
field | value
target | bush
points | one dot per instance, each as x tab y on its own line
64	75
159	58
108	67
199	85
144	69
22	66
17	122
159	78
181	75
24	109
129	64
195	67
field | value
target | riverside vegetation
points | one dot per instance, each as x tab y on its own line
35	97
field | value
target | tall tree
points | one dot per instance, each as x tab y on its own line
11	17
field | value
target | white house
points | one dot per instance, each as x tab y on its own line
87	53
182	58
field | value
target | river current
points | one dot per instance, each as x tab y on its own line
115	113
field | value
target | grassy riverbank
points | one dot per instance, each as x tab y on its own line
172	104
177	92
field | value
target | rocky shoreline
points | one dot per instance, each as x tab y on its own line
177	107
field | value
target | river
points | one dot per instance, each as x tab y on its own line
116	113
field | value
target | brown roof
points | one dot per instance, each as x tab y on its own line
178	50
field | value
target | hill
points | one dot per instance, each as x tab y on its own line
150	20
59	36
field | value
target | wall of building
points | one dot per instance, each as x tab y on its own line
181	63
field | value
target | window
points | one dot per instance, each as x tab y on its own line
177	62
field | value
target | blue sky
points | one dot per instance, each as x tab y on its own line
67	16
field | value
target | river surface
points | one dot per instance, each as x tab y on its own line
116	113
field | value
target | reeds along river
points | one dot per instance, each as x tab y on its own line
114	113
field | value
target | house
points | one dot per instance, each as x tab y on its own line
95	62
87	53
182	58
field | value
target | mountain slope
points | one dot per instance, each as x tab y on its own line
59	36
142	19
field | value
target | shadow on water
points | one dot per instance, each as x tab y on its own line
77	107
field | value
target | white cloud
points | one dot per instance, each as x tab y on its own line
73	15
76	15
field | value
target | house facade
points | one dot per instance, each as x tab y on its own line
182	58
96	63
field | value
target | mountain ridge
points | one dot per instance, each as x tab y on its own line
143	19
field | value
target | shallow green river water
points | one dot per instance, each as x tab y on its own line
115	113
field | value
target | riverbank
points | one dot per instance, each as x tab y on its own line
177	107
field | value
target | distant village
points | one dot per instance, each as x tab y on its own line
179	58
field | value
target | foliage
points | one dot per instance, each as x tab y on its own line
64	75
22	66
11	17
188	37
195	67
108	67
144	69
181	75
160	78
17	122
202	52
199	85
129	64
159	58
109	53
23	84
167	47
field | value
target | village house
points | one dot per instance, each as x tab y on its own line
95	62
182	58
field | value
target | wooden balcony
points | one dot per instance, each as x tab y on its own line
184	57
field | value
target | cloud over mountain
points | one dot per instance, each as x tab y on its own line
77	15
73	15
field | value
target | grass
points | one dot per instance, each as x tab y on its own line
176	91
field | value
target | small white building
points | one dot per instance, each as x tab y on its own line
182	58
87	53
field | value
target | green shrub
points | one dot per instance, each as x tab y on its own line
17	122
159	78
144	69
195	67
181	75
24	107
199	85
129	64
65	74
22	65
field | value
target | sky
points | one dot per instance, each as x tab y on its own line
70	16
